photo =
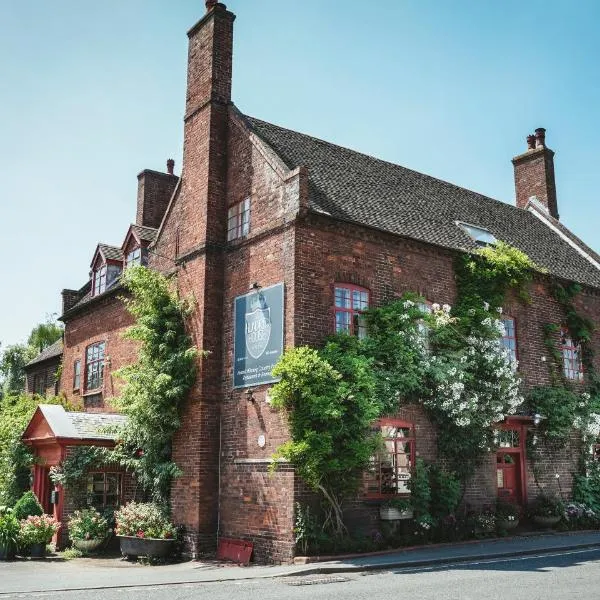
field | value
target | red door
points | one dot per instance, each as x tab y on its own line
508	476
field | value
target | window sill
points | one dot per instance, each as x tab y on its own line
92	392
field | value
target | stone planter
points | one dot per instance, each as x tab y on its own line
7	552
87	545
37	550
508	525
150	547
390	513
547	522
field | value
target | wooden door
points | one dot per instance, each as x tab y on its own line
508	476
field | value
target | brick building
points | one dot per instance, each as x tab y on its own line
41	373
259	207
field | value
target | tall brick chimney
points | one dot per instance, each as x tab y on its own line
534	174
199	223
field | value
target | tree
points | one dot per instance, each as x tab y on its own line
14	358
44	335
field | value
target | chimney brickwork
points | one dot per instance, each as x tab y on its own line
154	193
534	174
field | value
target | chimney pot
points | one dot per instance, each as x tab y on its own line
170	166
530	142
210	4
540	137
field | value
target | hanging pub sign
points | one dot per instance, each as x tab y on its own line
258	336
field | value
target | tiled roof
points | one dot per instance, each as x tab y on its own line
348	185
80	425
147	234
114	286
53	351
111	252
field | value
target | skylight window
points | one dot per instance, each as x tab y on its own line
482	237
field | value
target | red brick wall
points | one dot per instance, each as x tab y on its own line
154	192
103	321
44	371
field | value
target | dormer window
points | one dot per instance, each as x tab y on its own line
482	237
137	256
100	275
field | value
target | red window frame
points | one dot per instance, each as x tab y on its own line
383	469
76	374
94	365
507	338
349	302
571	353
100	277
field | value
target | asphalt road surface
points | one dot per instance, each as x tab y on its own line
563	576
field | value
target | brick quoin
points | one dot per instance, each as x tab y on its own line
225	489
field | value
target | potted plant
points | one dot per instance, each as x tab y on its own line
547	510
396	509
144	530
507	515
36	531
88	529
9	533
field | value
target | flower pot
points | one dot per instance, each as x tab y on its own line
390	513
151	547
507	525
7	552
543	521
37	550
87	545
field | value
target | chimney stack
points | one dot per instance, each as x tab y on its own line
170	166
534	174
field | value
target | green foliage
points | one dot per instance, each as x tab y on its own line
88	524
27	505
144	520
44	335
586	487
70	554
446	492
37	529
9	530
420	490
547	505
15	458
329	399
157	385
308	530
13	359
77	463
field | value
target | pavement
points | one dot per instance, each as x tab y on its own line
29	576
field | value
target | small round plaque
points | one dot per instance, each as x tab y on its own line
262	440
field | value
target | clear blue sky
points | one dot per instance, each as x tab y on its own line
91	93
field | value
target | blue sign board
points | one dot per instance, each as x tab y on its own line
258	336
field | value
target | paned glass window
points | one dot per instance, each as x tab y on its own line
99	280
390	470
509	339
76	374
350	302
238	220
39	384
134	257
104	490
94	366
481	236
571	353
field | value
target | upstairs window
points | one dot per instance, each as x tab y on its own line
350	302
482	237
509	339
94	366
571	353
137	256
390	470
99	286
76	374
238	220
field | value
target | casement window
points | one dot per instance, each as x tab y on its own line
509	339
238	220
94	366
99	286
571	353
390	469
482	237
104	490
76	374
134	257
350	302
39	384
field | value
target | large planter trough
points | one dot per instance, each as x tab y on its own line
151	547
547	522
87	545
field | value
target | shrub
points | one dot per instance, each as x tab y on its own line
147	520
28	505
88	524
505	511
38	529
547	505
9	530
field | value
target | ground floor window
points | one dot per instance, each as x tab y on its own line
104	490
390	469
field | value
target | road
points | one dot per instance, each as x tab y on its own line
568	575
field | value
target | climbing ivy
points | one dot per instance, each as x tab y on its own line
77	463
